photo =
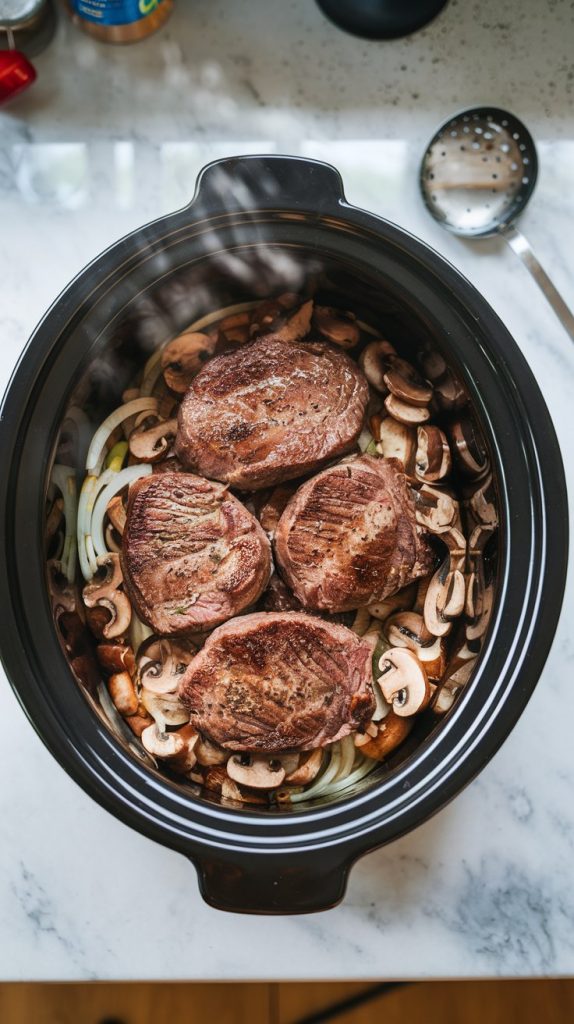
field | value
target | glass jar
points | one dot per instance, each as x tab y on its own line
120	21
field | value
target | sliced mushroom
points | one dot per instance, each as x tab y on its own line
235	328
468	447
408	629
432	364
208	753
165	708
183	358
339	328
175	747
307	770
398	441
410	415
288	325
448	391
451	686
122	691
392	731
271	312
403	681
373	362
405	383
62	592
161	662
433	459
116	513
150	444
483	505
139	723
436	510
103	592
114	658
258	771
444	599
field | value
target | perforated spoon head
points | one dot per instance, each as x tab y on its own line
479	171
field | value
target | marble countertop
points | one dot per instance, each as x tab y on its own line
110	138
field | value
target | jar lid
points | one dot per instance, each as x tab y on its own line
16	12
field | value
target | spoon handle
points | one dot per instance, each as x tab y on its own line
521	247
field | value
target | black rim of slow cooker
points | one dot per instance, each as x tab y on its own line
530	591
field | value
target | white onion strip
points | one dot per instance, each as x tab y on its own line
364	769
95	456
91	487
119	480
317	788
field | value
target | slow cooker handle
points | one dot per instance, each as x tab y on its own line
248	883
248	183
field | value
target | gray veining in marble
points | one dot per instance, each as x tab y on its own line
110	138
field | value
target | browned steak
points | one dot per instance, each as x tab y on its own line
349	536
192	555
279	681
271	411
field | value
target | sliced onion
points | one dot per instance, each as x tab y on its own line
347	758
95	456
138	632
361	621
117	483
116	456
322	781
359	773
366	439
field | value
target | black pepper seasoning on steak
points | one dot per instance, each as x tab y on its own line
271	411
279	681
192	555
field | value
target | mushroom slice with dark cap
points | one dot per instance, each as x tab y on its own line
436	510
183	358
433	459
403	681
338	327
373	362
286	318
445	596
103	592
398	441
405	383
161	662
391	732
468	447
408	629
261	771
150	444
404	412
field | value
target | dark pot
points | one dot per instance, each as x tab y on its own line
144	289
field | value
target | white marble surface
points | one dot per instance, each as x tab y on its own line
111	138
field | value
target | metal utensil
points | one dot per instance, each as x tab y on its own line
477	176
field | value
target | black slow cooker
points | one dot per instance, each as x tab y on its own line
257	225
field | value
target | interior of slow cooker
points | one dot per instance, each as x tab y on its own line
175	299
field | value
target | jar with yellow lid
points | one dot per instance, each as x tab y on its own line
120	21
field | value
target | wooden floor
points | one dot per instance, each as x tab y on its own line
488	1002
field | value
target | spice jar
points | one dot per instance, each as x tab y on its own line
119	21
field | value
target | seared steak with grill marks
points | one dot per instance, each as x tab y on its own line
192	555
349	536
279	681
271	411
